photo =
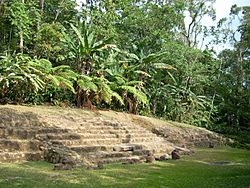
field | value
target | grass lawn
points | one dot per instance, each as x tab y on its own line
193	171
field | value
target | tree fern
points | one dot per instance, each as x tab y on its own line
104	90
117	97
86	83
139	95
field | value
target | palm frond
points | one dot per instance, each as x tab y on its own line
151	57
78	33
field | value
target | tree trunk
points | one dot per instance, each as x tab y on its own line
41	5
21	37
84	99
1	2
21	41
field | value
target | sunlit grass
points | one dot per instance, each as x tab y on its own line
191	171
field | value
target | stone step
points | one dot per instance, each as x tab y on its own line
13	132
74	136
108	122
29	132
87	142
17	133
111	131
101	122
103	141
112	126
107	127
140	139
20	156
88	149
136	135
22	124
19	145
62	136
108	148
120	160
71	136
127	147
105	155
56	130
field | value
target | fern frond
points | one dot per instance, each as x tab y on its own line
85	77
143	73
139	95
87	85
54	80
117	97
104	91
67	84
133	83
164	66
60	68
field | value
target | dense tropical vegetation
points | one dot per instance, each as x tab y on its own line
144	57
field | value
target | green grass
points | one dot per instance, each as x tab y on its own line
191	171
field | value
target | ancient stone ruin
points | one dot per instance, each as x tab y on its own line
82	140
87	140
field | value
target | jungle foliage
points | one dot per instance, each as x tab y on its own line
138	56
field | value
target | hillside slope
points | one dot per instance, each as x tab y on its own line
53	133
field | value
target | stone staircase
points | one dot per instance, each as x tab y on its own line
93	139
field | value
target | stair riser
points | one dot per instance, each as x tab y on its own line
76	136
53	130
106	156
116	160
20	157
58	137
89	149
29	133
166	150
17	134
8	145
